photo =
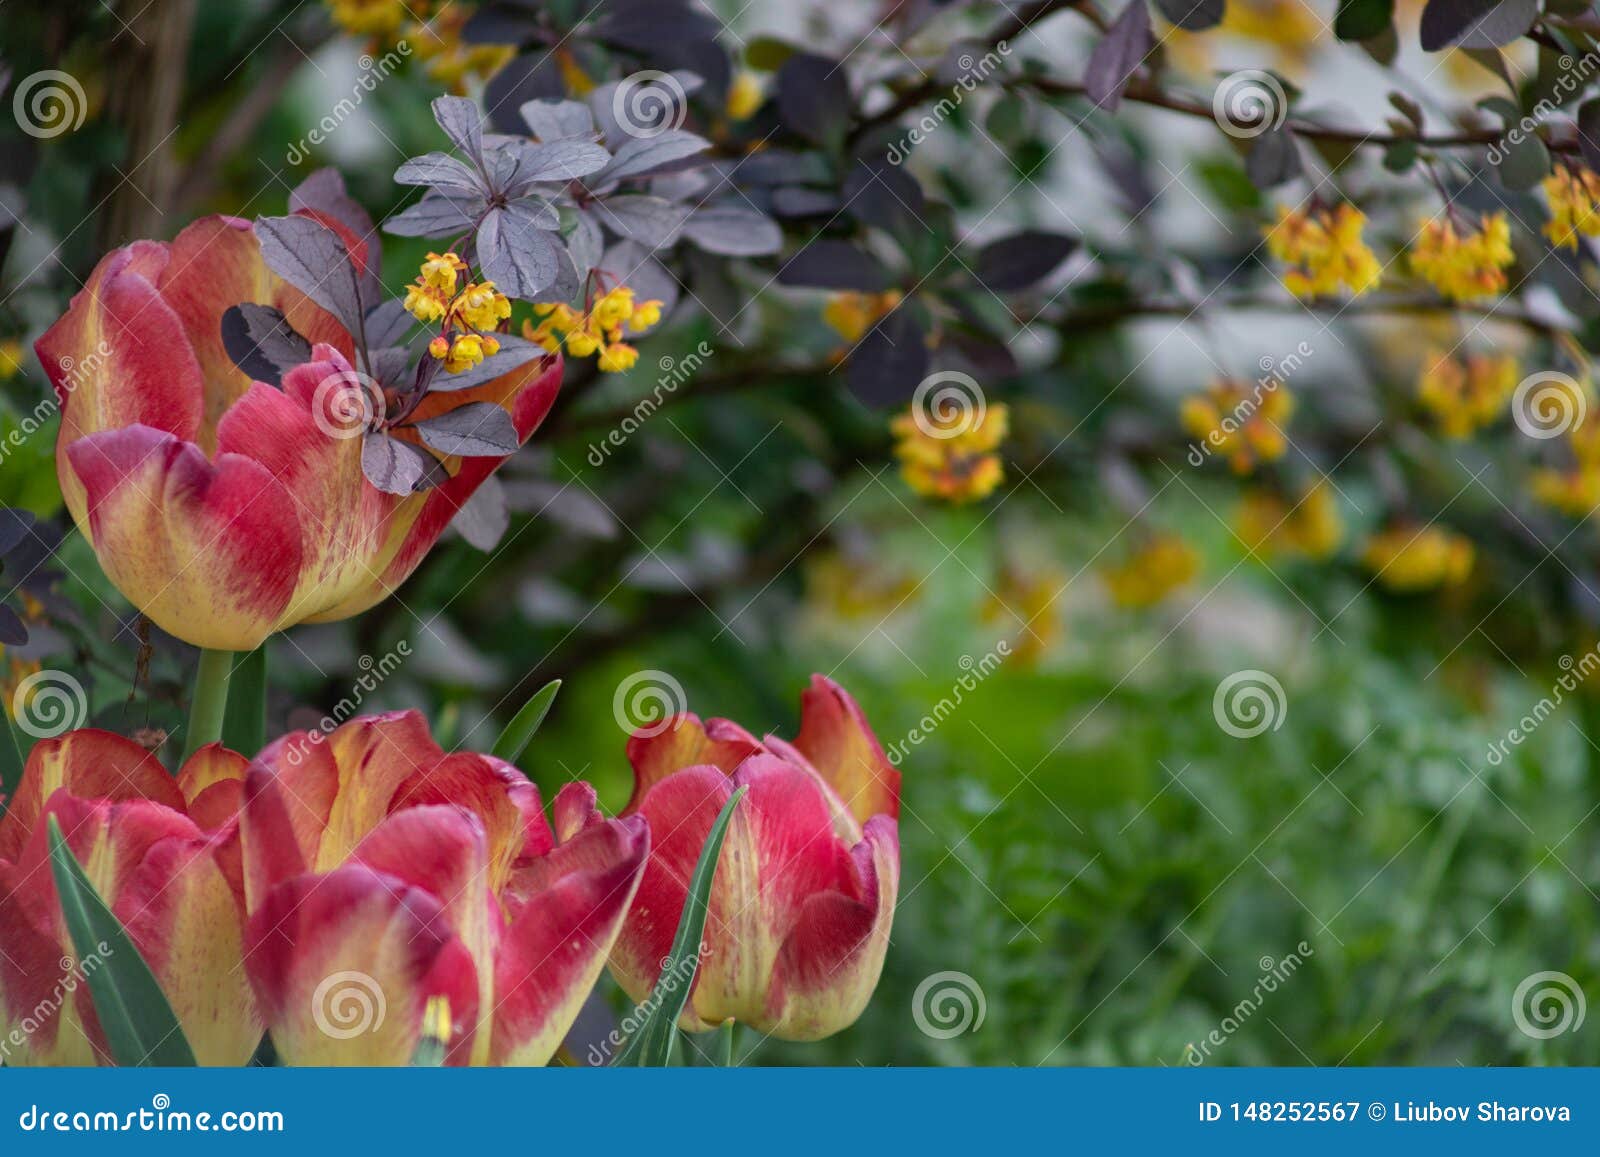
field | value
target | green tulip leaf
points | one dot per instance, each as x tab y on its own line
519	732
651	1044
244	720
140	1026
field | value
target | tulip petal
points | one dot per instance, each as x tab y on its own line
119	357
210	551
836	738
527	393
683	741
499	795
557	944
311	798
212	783
343	965
830	963
90	764
39	1018
215	263
780	852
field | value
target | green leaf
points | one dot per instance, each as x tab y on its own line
651	1044
1361	19
12	759
140	1026
244	721
514	739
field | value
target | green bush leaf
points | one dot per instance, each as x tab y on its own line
514	739
651	1045
140	1026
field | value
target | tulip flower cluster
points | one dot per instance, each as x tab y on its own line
356	893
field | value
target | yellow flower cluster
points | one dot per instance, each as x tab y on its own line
1574	196
1464	266
10	358
1324	251
1267	524
437	296
1245	425
1466	394
850	586
368	17
1160	566
1407	559
1029	601
599	331
451	60
852	314
954	465
1574	491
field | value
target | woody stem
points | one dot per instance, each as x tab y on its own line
210	700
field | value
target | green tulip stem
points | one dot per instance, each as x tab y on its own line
727	1044
210	700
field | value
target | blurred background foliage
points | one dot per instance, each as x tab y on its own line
1113	869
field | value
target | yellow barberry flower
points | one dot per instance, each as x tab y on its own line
1268	525
482	306
17	672
851	314
439	272
1574	195
745	95
1464	267
852	586
614	308
465	352
1324	251
617	357
645	315
1242	422
957	465
450	60
1574	490
1407	559
1159	566
425	304
581	343
439	347
1466	394
368	17
10	358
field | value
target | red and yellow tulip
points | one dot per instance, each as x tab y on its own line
155	848
227	509
804	893
383	875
